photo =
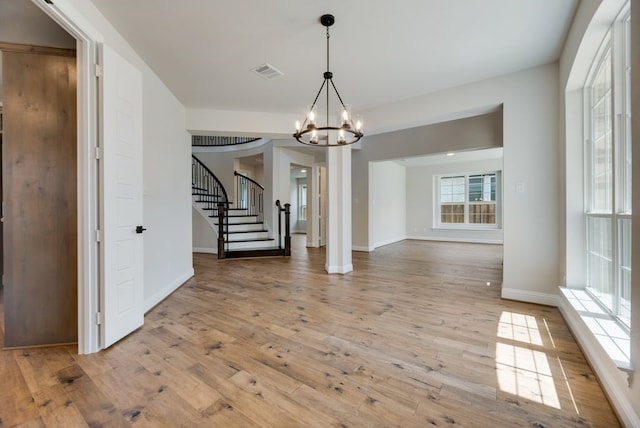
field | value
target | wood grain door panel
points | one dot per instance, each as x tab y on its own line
40	193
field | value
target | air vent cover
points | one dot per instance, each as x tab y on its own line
267	71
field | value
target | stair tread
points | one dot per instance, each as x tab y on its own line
241	222
257	249
235	224
247	231
249	240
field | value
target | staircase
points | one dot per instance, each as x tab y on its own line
241	231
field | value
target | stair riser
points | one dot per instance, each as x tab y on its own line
254	227
248	235
235	220
249	245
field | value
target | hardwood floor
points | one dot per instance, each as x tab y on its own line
416	336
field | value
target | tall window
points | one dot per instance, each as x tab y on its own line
608	173
468	200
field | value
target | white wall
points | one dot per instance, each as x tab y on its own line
168	260
205	240
283	158
387	203
166	166
421	191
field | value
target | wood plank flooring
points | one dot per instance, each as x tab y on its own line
413	337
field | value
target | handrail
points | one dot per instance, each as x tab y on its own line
211	192
215	141
236	173
287	228
250	195
199	172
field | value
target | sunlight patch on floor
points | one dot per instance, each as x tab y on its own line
524	370
526	373
519	327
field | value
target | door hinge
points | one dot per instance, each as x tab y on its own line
98	153
98	70
98	235
99	318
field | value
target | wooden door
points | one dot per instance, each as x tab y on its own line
121	176
39	166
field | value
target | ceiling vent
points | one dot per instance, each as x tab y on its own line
267	71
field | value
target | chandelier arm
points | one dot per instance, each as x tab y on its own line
314	103
338	94
327	116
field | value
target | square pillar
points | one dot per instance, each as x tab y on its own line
338	210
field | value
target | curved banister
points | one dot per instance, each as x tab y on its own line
236	173
196	179
216	141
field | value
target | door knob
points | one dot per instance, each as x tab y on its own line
140	229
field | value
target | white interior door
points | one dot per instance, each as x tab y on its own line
121	208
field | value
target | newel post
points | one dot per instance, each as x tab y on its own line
220	231
287	229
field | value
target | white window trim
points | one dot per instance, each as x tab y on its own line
614	42
438	225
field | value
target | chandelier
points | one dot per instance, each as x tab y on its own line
310	133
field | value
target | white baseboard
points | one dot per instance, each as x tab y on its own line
611	378
205	250
389	241
339	269
364	249
162	294
446	239
530	296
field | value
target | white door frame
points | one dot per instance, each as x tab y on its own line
88	193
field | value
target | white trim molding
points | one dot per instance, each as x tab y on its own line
205	250
362	248
613	380
464	240
389	242
162	294
87	38
530	296
339	269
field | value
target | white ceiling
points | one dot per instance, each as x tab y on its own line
457	157
381	51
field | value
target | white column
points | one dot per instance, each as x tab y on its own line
338	210
313	207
